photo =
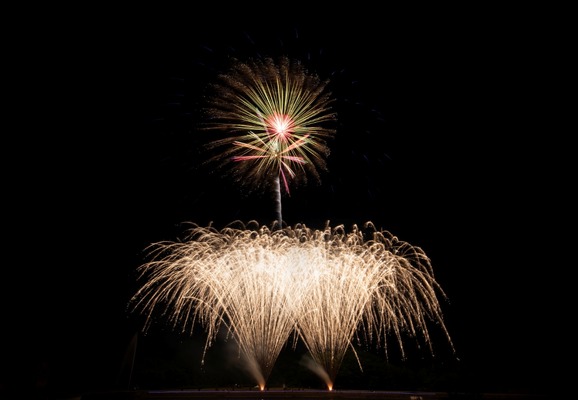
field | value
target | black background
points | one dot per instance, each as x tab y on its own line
447	138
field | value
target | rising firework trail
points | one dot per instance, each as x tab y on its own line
326	287
275	118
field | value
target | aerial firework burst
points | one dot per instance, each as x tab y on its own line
276	120
324	286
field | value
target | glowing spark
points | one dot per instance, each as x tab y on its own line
280	125
324	286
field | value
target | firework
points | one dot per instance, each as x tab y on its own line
264	285
325	286
276	120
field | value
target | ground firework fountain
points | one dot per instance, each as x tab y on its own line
267	284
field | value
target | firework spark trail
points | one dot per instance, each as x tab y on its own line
408	297
253	285
384	285
240	277
275	117
263	285
335	307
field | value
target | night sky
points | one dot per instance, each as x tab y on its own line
440	141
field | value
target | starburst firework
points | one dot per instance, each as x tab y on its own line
276	121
